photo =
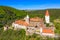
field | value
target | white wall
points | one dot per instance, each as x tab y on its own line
40	30
48	34
47	19
18	26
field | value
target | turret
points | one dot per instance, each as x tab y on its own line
27	19
47	17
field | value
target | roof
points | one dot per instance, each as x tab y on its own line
21	22
47	30
47	13
32	25
36	19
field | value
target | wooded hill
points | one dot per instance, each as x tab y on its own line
9	14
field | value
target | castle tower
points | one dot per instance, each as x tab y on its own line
27	19
47	17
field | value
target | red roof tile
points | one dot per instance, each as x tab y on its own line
47	13
46	30
21	22
36	19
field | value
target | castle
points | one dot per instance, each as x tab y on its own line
35	25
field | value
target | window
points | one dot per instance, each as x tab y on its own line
36	26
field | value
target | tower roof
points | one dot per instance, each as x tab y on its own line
47	13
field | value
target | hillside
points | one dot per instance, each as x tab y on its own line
9	14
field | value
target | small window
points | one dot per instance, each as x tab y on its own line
27	28
35	26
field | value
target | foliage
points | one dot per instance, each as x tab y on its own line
9	14
47	24
57	26
12	35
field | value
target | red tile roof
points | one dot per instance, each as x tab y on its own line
46	30
36	19
47	13
21	22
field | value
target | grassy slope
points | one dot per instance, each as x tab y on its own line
9	14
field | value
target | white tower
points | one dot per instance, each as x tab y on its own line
27	19
47	17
